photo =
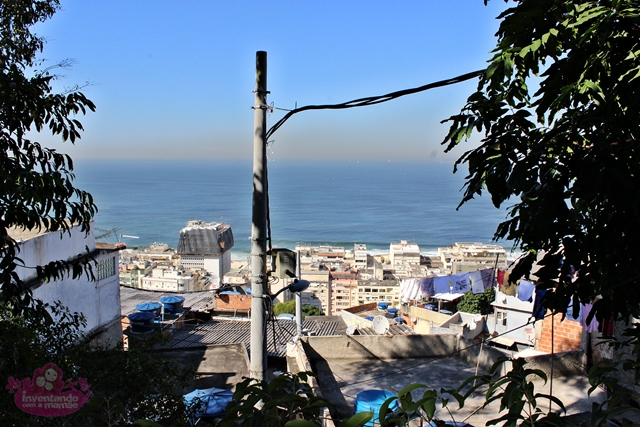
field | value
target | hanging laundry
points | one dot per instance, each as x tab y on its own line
509	288
585	309
415	292
477	284
501	278
525	290
488	277
570	315
404	291
607	326
538	309
460	283
428	289
442	284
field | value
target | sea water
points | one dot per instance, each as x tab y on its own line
311	202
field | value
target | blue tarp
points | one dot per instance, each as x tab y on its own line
214	401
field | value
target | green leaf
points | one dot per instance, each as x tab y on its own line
359	419
299	422
147	423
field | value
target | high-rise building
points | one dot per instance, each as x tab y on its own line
206	245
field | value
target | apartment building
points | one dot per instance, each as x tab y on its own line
471	256
404	253
379	291
169	280
206	246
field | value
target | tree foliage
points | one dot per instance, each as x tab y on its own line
559	107
478	303
289	307
126	385
36	182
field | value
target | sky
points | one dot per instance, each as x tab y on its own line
174	79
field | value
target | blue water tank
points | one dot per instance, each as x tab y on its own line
393	311
141	321
372	400
151	307
383	306
172	304
399	320
369	318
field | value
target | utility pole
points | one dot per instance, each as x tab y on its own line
258	364
298	296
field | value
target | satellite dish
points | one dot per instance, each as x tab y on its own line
351	330
380	325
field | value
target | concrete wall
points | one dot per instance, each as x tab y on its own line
44	248
379	347
354	320
98	301
564	364
426	319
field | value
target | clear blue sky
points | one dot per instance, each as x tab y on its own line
173	79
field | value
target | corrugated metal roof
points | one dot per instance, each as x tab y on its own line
221	331
394	329
130	297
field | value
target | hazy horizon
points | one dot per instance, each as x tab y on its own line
174	79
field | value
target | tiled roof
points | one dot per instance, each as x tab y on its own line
221	331
130	297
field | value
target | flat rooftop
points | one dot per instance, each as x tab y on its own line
352	365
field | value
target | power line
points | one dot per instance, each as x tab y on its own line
361	102
373	100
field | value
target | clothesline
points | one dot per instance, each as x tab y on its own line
419	288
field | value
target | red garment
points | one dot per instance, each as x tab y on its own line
500	278
607	326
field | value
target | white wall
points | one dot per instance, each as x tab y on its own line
99	300
43	249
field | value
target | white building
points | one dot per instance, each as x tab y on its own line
471	256
206	246
98	300
404	253
162	279
360	256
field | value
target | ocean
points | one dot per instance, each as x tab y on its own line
313	202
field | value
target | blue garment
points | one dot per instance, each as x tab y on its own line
460	283
428	289
442	284
525	290
538	309
488	277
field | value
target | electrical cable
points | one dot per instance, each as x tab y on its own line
361	102
373	100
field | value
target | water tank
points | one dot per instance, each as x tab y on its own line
399	320
370	318
150	307
382	306
392	311
141	321
172	304
372	400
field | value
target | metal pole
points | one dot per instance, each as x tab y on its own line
298	298
258	365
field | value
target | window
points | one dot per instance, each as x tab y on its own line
106	268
